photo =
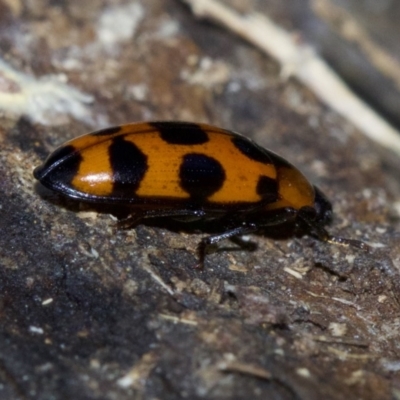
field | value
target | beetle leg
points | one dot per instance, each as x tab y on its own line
135	218
247	227
209	240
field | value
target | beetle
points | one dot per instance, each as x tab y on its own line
189	171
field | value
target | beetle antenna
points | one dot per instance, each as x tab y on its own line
348	242
324	236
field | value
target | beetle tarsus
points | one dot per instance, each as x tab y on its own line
129	222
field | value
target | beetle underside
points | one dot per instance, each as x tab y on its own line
237	224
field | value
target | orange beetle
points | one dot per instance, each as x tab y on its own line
188	170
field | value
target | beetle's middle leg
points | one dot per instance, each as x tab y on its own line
274	219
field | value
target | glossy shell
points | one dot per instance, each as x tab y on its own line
174	163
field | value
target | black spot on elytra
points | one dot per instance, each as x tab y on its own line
107	131
251	150
184	133
267	188
62	163
128	164
61	155
201	176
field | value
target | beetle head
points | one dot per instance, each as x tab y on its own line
321	214
323	207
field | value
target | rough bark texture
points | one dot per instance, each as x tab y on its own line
91	312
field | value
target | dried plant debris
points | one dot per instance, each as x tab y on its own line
48	100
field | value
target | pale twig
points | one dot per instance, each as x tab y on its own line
347	26
301	61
